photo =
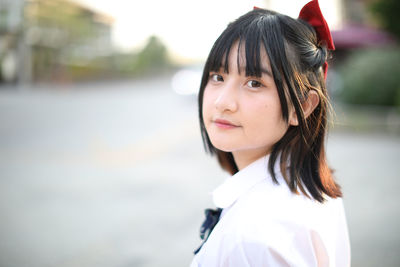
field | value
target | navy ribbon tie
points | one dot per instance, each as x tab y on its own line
212	217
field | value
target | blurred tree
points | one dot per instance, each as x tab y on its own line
387	13
371	77
153	55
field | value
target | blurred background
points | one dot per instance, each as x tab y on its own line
101	160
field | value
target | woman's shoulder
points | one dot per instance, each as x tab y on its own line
275	205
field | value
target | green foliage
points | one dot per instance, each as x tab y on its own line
387	11
153	57
372	77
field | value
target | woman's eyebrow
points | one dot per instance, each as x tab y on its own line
221	68
266	71
263	71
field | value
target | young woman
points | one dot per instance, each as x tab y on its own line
263	112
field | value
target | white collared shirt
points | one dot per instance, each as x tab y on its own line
265	224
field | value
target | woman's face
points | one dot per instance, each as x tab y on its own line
243	114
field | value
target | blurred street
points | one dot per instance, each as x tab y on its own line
114	174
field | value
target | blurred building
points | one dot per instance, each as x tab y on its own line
11	20
359	30
49	39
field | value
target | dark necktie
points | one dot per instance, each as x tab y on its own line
212	217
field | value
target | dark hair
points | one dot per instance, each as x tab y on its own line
296	60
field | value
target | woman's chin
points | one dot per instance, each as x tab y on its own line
224	146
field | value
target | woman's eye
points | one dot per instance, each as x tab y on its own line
254	84
216	78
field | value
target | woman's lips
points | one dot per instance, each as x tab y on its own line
224	124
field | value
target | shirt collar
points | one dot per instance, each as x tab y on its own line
234	187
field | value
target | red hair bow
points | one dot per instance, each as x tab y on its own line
312	14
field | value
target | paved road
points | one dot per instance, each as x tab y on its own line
114	174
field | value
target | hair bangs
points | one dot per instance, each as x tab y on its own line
250	38
219	54
252	50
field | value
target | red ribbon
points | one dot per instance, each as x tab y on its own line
312	14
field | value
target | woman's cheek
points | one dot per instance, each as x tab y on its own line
207	104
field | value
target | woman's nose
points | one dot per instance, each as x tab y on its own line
227	99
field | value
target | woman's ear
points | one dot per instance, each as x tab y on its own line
308	106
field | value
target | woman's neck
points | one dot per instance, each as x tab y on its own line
244	158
